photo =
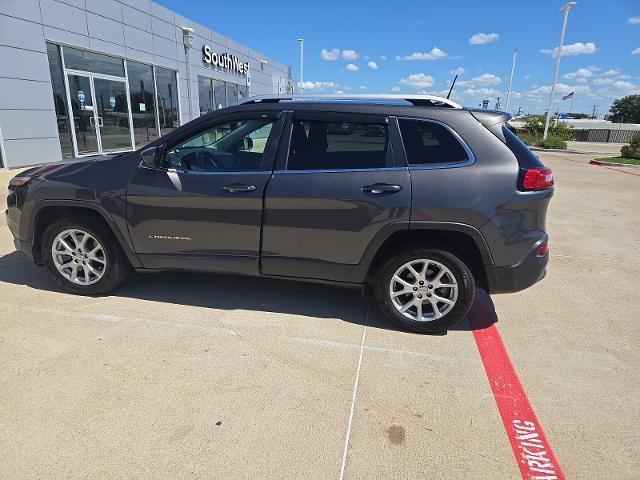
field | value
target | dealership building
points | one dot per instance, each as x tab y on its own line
90	77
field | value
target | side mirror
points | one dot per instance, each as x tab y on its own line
247	144
151	157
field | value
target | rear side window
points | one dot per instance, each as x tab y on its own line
320	145
428	143
526	158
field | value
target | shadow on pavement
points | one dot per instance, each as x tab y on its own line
233	292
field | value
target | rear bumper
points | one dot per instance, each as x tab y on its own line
530	270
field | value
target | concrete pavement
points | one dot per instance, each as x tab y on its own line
183	375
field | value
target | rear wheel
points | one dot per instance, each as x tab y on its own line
424	289
83	256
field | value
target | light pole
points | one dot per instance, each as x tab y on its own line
187	41
301	42
513	66
564	9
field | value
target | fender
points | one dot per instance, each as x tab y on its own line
120	237
359	272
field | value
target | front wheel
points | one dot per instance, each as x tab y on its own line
83	256
424	290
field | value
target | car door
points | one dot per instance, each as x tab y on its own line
335	186
202	209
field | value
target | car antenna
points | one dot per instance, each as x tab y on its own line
452	84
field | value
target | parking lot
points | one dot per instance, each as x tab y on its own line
179	375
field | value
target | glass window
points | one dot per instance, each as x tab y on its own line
92	62
60	99
230	147
219	94
232	94
243	92
167	99
429	142
143	103
205	95
319	145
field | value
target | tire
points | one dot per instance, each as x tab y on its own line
461	292
106	268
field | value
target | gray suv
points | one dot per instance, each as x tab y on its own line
415	197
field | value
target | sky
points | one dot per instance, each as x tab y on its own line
418	46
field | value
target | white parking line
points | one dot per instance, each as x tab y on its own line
353	397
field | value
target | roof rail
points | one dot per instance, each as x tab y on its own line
385	98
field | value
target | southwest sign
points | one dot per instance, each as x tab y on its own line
224	60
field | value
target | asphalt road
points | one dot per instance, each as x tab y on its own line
196	376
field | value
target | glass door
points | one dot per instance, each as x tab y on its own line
101	119
84	117
112	115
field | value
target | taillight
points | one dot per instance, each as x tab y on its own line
543	249
537	179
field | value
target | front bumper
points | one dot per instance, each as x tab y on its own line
530	270
12	217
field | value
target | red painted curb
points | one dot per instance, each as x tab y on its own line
606	165
533	453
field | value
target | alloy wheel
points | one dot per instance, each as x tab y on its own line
79	257
423	290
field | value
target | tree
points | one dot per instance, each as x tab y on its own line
625	109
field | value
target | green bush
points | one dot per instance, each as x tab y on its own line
553	141
535	127
633	149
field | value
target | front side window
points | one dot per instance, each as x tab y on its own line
320	145
428	142
230	147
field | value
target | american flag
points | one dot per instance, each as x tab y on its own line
568	96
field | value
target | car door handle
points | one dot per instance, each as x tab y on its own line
239	188
380	188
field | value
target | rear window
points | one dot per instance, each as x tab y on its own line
428	143
526	158
319	145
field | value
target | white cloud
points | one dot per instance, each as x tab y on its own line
352	68
418	80
636	51
580	73
481	92
634	20
434	54
624	87
373	65
308	85
577	48
362	87
561	89
349	54
383	57
338	91
330	55
482	38
603	81
611	73
481	80
582	80
457	71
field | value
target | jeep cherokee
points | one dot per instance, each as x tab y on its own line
416	197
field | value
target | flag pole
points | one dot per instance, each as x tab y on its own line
571	106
